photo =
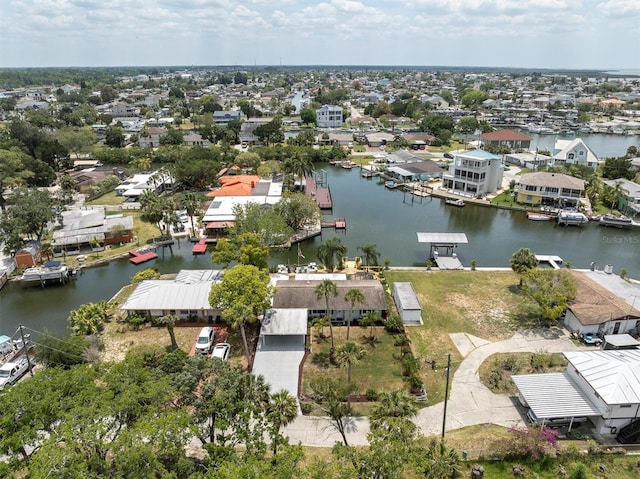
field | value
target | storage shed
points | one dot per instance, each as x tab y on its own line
407	303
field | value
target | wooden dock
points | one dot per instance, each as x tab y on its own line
138	257
339	224
200	247
322	196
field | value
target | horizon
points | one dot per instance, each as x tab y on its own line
550	34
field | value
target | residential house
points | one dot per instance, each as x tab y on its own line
542	188
124	110
29	255
603	386
408	168
379	138
186	296
195	139
474	173
329	116
419	140
574	152
223	118
529	160
87	230
302	294
150	136
597	310
508	138
135	186
628	196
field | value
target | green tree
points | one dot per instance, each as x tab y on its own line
370	319
266	222
551	290
169	321
308	116
13	172
297	210
615	168
148	273
298	165
353	296
281	410
346	356
245	248
331	396
243	294
393	412
473	99
522	261
77	140
327	289
370	253
31	212
88	318
114	137
68	187
192	204
58	351
320	322
330	251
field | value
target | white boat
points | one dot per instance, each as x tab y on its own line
533	216
391	184
615	221
572	218
48	273
452	202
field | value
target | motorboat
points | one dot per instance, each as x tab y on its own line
49	272
572	218
615	221
533	216
452	202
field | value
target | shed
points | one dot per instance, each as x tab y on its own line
29	255
407	303
620	341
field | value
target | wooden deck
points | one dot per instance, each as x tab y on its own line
339	224
322	196
137	257
200	247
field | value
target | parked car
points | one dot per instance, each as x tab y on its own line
448	155
204	343
12	371
221	351
591	339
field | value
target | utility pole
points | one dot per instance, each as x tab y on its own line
446	395
26	350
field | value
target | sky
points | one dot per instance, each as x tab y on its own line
567	34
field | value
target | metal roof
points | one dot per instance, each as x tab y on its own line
554	395
459	238
284	322
407	296
614	375
163	294
191	276
620	340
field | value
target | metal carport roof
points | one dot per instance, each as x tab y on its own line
553	395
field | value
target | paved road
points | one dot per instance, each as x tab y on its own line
470	402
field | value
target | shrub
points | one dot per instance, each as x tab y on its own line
531	443
136	320
371	394
393	324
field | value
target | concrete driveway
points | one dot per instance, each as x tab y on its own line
278	359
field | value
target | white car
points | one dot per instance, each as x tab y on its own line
11	372
221	351
204	343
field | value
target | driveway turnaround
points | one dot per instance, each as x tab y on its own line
278	360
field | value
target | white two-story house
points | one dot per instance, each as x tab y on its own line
329	116
574	152
474	173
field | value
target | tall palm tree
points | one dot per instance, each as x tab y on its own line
281	410
353	296
371	254
327	289
170	320
192	204
319	323
299	165
331	250
370	319
393	413
346	356
522	261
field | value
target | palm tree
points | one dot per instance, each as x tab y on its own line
353	296
522	261
192	204
319	323
370	319
299	165
237	315
371	254
331	250
327	289
281	410
170	320
393	414
346	356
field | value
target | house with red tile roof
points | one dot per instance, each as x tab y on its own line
510	138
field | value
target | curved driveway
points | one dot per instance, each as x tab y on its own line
470	402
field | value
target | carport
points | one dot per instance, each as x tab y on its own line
554	395
281	348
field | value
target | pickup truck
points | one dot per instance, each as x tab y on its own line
12	371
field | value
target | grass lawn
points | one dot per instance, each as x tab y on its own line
455	145
476	302
368	374
505	198
108	199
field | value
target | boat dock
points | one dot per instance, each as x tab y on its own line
322	196
339	224
448	241
200	247
138	257
553	261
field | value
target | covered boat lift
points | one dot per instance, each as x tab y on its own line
448	241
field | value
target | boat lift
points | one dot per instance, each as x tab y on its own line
448	241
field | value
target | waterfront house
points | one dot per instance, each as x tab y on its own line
150	136
542	188
603	386
413	170
195	139
223	118
302	294
529	160
596	310
628	196
474	173
186	296
379	138
329	116
135	186
508	138
573	152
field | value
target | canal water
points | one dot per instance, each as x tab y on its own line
374	214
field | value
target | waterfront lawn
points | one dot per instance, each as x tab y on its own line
380	369
480	303
454	145
505	199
